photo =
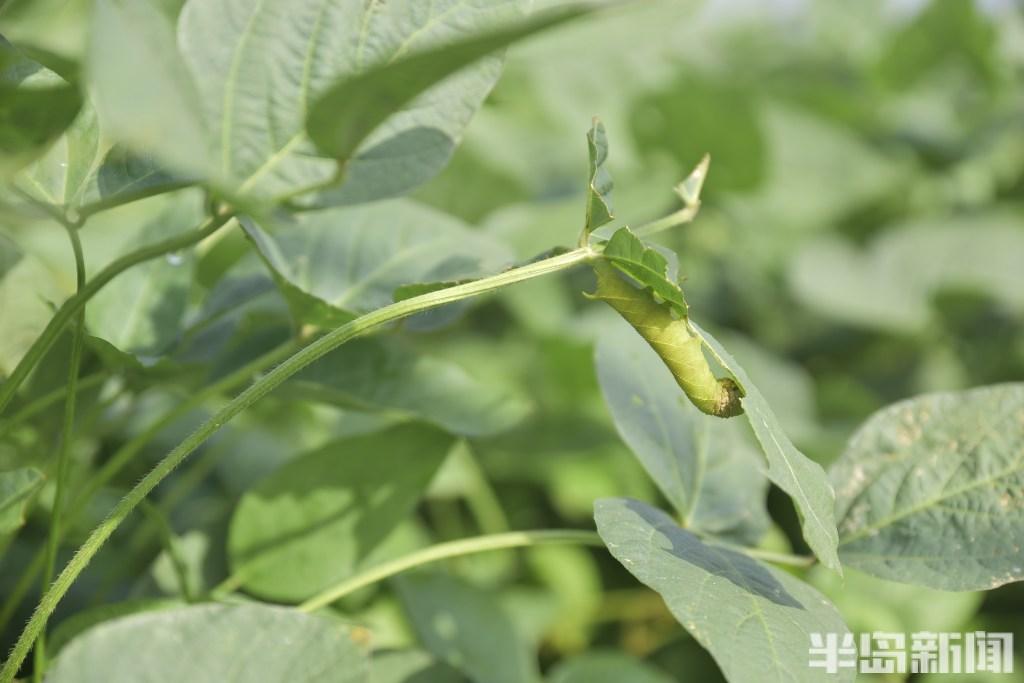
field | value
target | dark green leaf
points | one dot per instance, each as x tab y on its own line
728	602
310	524
931	491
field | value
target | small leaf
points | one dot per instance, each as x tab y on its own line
689	189
803	479
343	116
309	524
373	375
931	490
702	464
212	644
467	628
728	601
646	266
599	185
16	490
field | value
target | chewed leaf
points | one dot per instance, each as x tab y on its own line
646	266
599	187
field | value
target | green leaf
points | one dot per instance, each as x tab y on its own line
647	267
380	376
213	644
607	667
85	172
310	524
702	464
411	666
141	312
803	479
144	94
729	602
599	183
890	285
350	110
36	106
467	628
930	490
263	68
335	264
16	490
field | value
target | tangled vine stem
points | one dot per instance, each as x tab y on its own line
74	306
254	393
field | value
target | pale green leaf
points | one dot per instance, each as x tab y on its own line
646	266
310	524
144	94
16	490
754	619
212	644
792	471
599	183
335	264
702	464
930	491
466	627
380	376
411	666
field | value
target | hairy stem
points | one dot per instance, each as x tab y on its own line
74	306
441	551
358	327
66	443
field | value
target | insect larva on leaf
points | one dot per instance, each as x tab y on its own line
670	337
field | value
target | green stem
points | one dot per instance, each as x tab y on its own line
66	442
40	404
117	462
683	215
74	305
304	357
441	551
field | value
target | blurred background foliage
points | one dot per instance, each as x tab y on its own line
861	241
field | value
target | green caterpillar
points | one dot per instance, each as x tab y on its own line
671	339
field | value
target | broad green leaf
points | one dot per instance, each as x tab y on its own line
338	263
728	602
930	490
702	464
310	524
890	285
212	644
142	310
410	666
376	375
467	628
348	112
143	92
607	667
599	182
74	625
263	68
803	479
85	172
646	266
16	490
36	106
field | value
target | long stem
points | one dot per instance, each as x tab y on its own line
117	462
74	305
254	393
66	443
441	551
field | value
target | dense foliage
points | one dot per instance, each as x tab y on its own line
337	344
